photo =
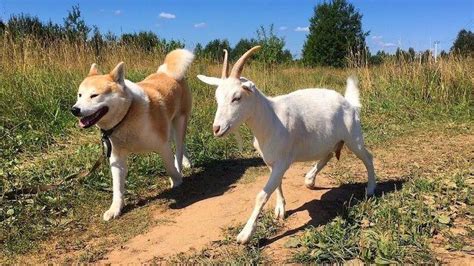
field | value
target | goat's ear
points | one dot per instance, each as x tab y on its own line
248	86
93	70
118	73
210	80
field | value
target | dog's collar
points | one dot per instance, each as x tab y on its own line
107	133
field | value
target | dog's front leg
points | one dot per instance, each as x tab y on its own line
118	167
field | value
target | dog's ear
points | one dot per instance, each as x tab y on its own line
94	70
118	73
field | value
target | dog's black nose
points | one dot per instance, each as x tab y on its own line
75	111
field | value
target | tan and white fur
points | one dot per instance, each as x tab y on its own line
148	114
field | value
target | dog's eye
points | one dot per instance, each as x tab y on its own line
79	95
236	99
94	95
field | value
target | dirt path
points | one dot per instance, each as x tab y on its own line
196	225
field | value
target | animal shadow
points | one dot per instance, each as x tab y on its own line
209	180
333	203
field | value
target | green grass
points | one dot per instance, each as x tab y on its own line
41	144
397	227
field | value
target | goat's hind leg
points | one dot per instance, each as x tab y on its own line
280	203
358	148
311	175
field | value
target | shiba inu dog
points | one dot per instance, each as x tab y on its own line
138	117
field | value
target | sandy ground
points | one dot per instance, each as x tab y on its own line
198	220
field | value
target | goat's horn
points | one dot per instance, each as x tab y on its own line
239	65
225	67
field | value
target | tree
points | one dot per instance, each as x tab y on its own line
75	26
214	49
146	40
412	54
198	50
272	51
464	43
241	47
335	33
97	41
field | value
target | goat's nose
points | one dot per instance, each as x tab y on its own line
75	111
216	129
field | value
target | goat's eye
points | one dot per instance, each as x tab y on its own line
79	95
94	95
236	99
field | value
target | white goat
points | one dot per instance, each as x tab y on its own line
305	125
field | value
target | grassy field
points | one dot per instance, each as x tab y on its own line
41	144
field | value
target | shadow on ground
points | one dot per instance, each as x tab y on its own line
208	181
333	203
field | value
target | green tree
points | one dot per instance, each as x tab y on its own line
241	47
167	46
214	49
412	54
464	43
97	41
272	51
75	26
146	40
198	50
335	33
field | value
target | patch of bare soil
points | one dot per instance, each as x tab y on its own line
199	214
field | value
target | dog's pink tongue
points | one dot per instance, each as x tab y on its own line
83	123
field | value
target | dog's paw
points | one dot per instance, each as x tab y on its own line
112	213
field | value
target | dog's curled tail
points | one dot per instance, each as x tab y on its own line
176	63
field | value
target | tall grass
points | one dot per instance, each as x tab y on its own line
39	142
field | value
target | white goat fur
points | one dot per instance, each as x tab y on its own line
305	125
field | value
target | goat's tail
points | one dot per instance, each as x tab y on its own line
176	63
352	92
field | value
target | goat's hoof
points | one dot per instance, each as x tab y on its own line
370	191
280	211
309	183
245	235
176	182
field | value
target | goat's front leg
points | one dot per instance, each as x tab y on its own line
118	167
273	182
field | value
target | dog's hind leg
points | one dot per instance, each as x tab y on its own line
180	124
167	155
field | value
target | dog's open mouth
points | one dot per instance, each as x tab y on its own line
90	120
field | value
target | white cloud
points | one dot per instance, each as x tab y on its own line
167	15
282	28
305	29
377	39
118	12
200	25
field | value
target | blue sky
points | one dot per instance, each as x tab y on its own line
392	23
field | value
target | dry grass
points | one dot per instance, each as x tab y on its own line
38	83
